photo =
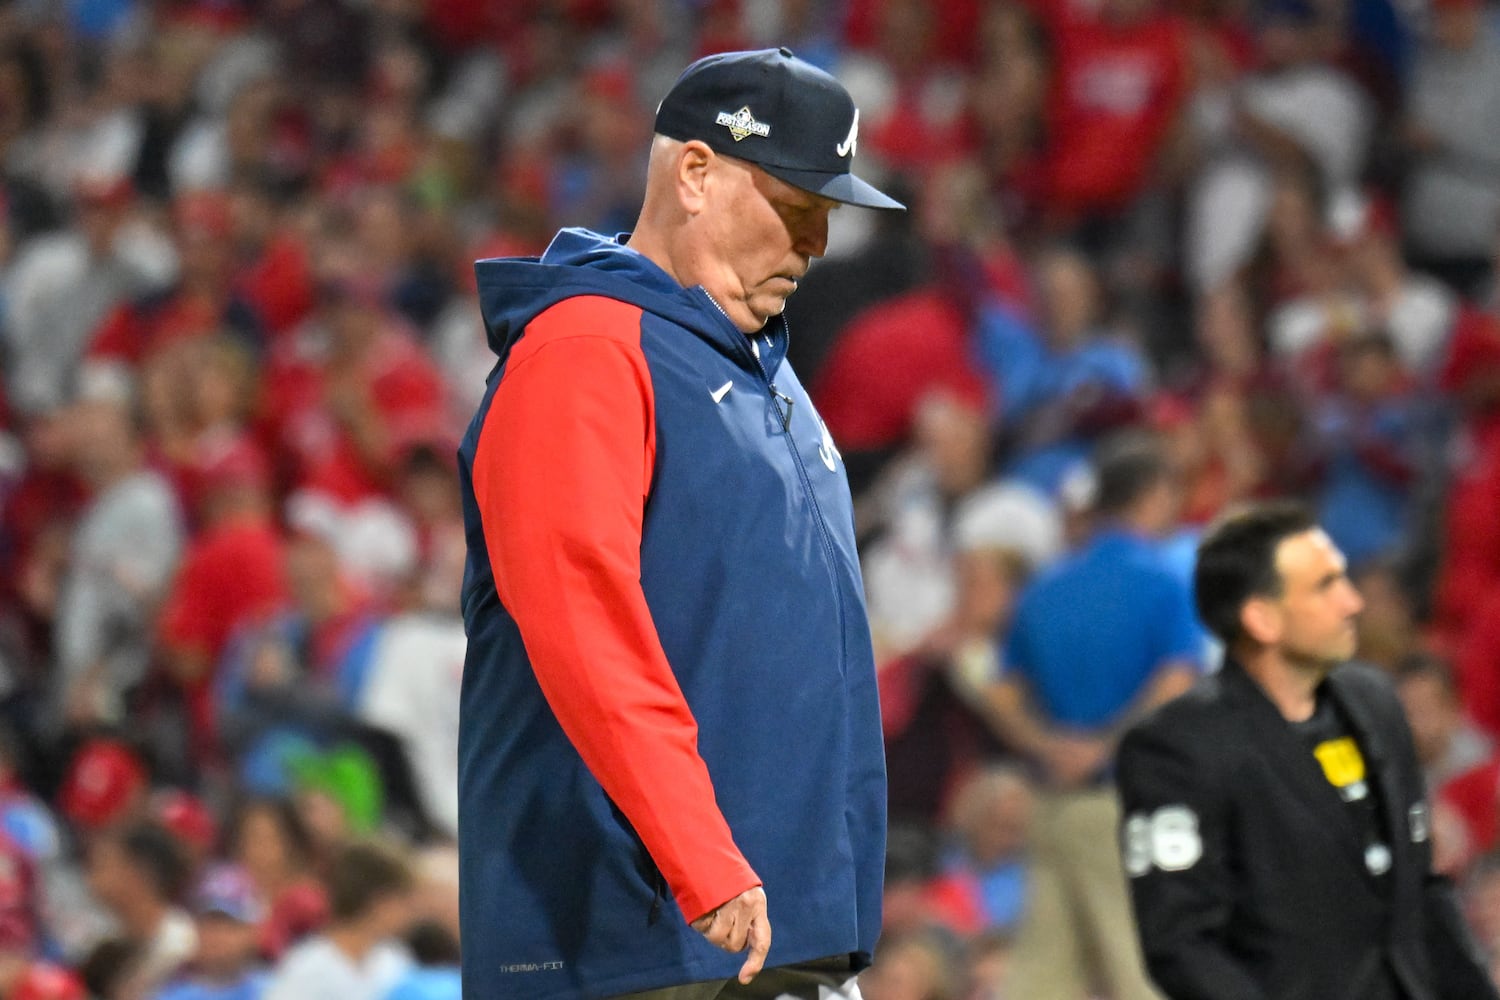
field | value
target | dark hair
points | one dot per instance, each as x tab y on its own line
1127	466
363	873
33	69
108	964
1237	561
286	817
432	945
153	851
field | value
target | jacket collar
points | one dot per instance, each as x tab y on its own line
1273	737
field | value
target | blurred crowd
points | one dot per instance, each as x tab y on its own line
240	338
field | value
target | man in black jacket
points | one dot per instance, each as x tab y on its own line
1275	831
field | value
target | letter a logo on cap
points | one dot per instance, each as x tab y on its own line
847	147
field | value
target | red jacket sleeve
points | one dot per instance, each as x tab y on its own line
561	472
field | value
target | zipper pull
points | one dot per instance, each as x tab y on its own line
786	415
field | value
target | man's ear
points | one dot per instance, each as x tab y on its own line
694	161
1262	621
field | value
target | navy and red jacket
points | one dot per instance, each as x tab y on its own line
669	695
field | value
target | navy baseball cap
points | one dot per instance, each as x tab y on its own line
782	114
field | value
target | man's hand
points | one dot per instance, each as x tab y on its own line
1072	761
739	923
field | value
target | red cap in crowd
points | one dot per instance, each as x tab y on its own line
103	192
186	817
104	779
42	981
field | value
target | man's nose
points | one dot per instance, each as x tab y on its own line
1356	602
812	241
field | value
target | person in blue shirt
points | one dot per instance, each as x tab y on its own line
227	912
1097	639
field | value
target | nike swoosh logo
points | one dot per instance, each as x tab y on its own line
722	391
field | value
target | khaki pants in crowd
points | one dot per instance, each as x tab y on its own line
1077	936
827	979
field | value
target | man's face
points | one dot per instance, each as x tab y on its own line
110	877
763	234
1316	612
1432	714
225	945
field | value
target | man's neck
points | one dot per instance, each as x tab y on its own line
102	479
1292	687
142	918
650	243
353	940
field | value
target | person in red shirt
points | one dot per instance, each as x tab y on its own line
231	574
273	273
351	390
877	372
1118	87
201	304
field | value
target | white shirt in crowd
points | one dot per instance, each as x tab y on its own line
317	969
412	691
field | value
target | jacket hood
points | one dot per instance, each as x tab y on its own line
515	290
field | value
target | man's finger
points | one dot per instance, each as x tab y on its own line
736	933
760	944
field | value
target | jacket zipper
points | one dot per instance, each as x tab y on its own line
777	398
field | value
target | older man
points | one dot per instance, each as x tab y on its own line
670	739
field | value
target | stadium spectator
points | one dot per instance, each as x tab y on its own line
268	839
61	286
1452	194
1295	112
225	966
1447	744
1062	701
351	388
123	555
1117	91
140	874
358	956
991	820
1065	382
1368	428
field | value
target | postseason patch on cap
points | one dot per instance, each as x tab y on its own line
816	125
742	124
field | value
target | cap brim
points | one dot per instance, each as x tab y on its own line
845	188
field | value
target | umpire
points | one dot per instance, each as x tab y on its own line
1275	832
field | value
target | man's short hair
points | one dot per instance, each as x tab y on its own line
364	873
1237	561
1127	466
154	852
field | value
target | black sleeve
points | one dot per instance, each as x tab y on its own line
1457	971
1174	843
